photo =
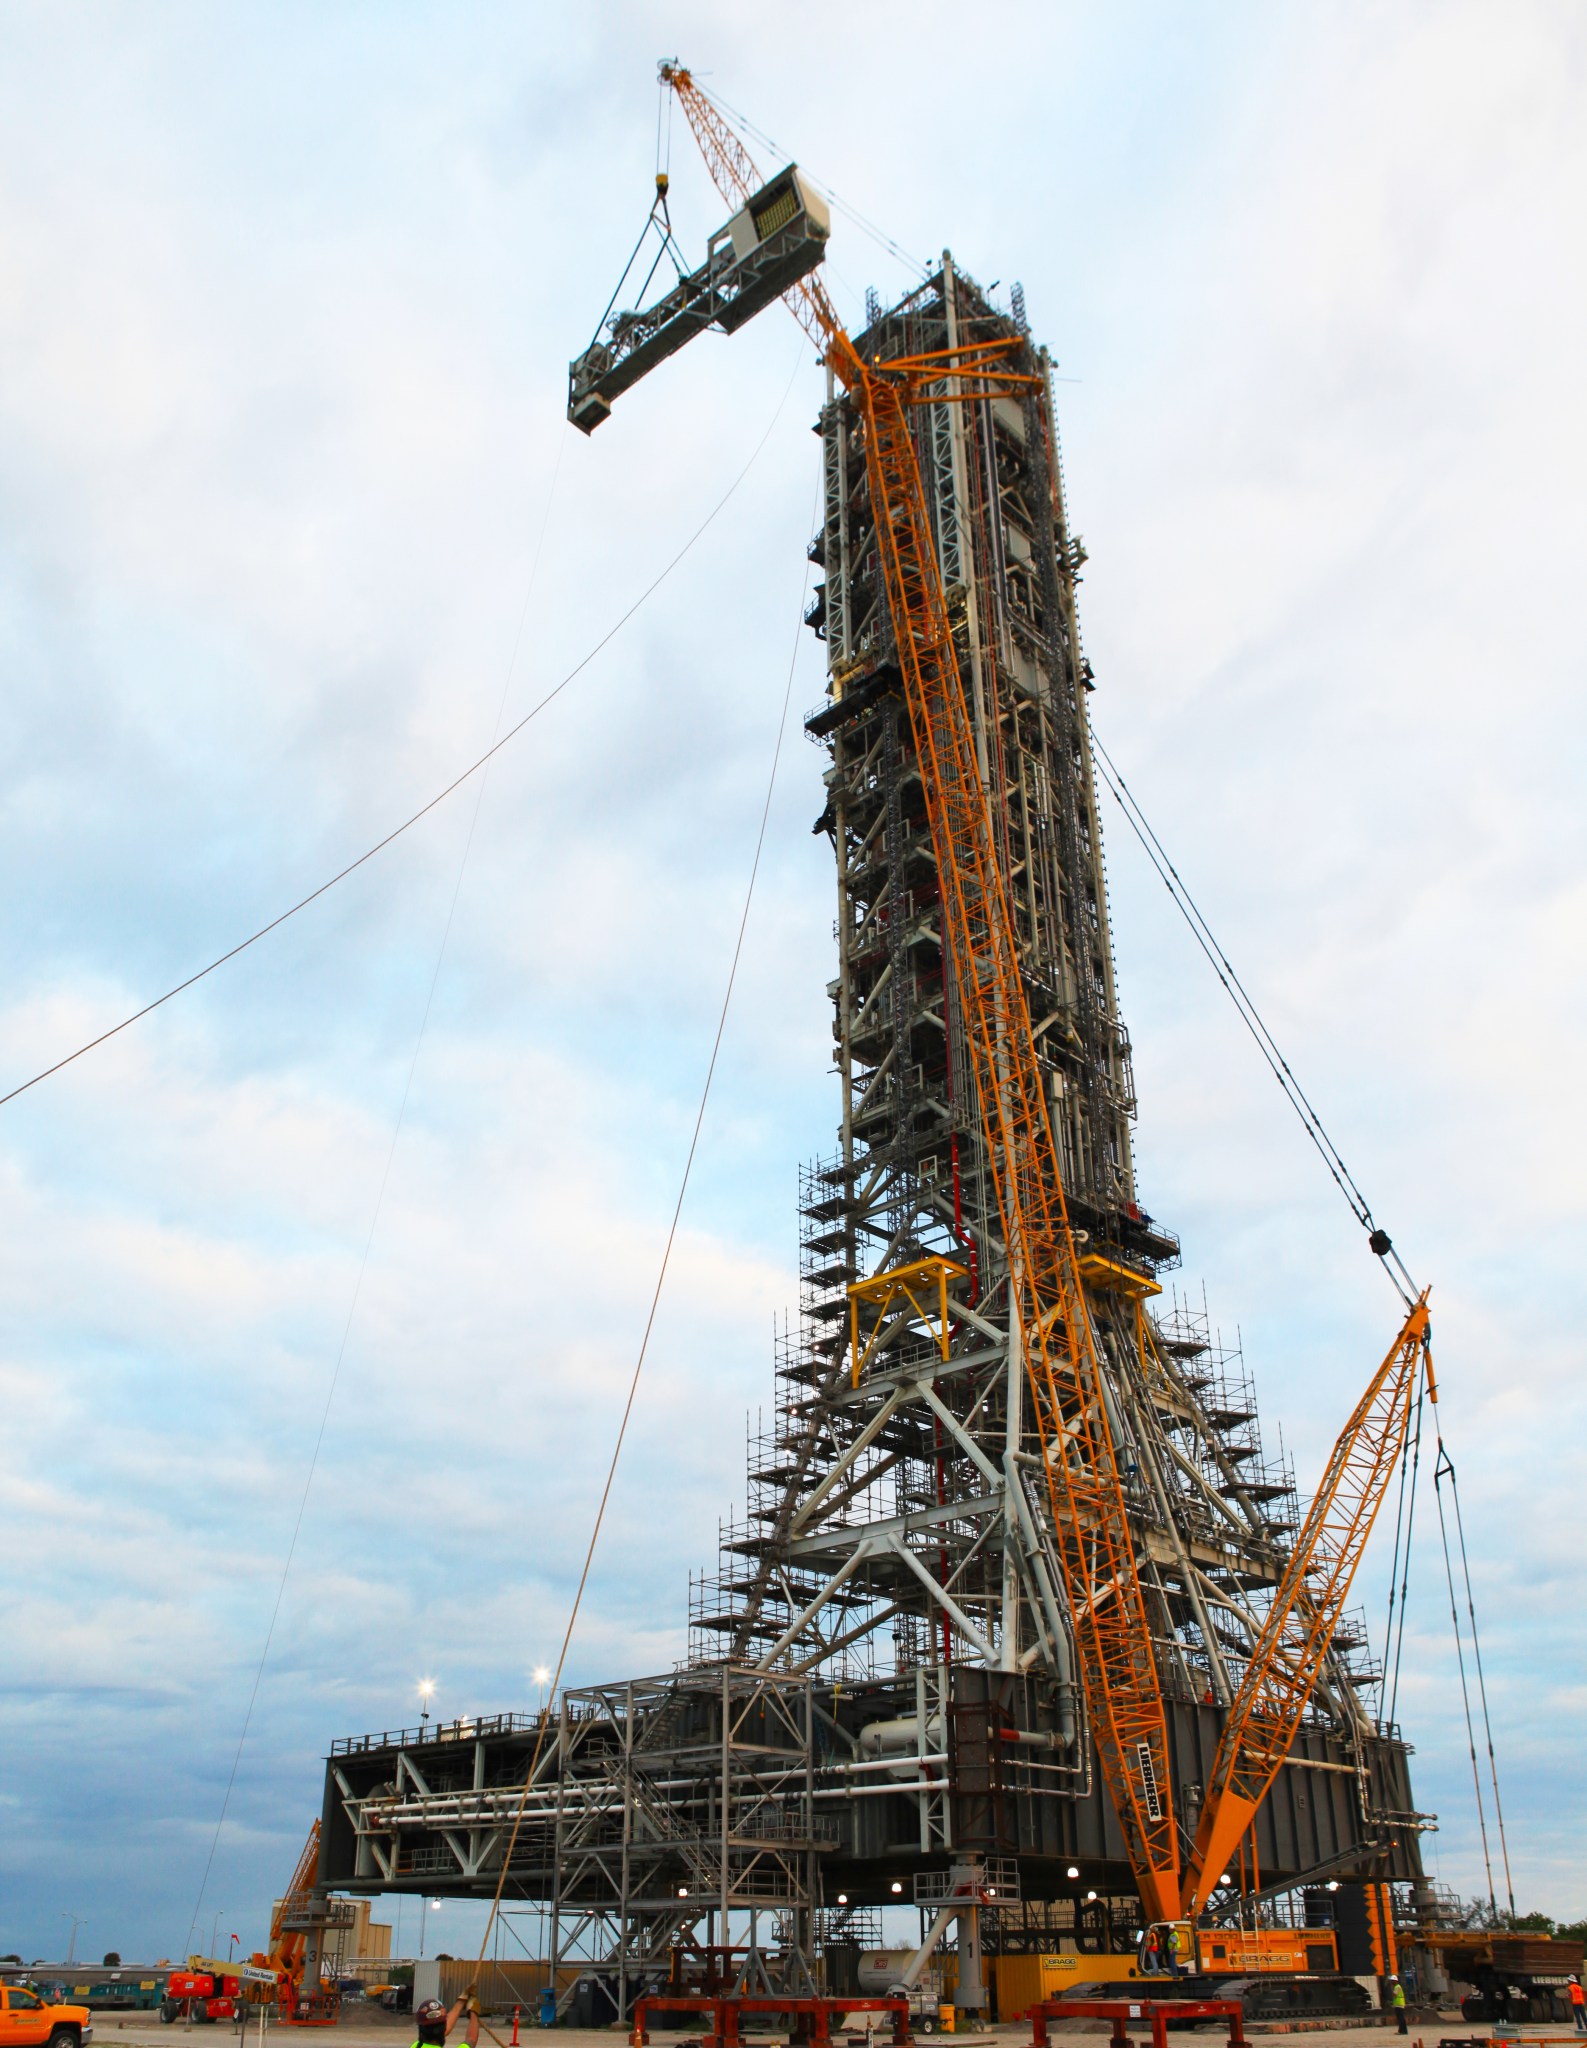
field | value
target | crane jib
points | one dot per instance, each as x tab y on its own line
773	245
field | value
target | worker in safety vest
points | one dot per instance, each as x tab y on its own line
435	2022
1578	2005
1397	2000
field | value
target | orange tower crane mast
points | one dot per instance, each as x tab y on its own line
1049	1313
1266	1710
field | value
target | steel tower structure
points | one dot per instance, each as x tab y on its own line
882	1687
898	1519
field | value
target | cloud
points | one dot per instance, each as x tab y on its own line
283	327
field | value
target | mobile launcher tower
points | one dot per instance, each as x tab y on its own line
880	1702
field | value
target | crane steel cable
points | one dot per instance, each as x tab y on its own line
655	1299
1378	1239
481	763
380	1198
1445	1468
1382	1246
879	236
439	798
1400	1579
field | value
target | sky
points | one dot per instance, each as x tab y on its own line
366	1225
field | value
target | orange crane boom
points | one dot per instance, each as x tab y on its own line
1266	1710
290	1945
1049	1312
1050	1319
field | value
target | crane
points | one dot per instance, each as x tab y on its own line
1049	1316
288	1975
773	244
1308	1604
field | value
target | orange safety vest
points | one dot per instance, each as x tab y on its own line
1577	1995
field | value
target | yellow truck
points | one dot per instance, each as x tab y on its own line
29	2021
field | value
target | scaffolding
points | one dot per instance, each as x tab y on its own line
891	1517
888	1603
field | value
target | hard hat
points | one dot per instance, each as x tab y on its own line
432	2009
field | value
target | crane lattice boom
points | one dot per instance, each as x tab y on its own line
1050	1320
1308	1604
1058	1344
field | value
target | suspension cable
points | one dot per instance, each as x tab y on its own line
424	810
1381	1244
1445	1469
1400	1578
878	235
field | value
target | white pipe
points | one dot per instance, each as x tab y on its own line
881	1738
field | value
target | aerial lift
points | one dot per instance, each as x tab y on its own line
304	1917
774	243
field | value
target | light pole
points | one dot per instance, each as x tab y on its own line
214	1931
542	1678
71	1948
426	1694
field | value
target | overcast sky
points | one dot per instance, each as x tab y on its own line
287	295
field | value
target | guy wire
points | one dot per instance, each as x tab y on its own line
424	810
380	1198
655	1299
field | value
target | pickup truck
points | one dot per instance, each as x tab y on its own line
29	2021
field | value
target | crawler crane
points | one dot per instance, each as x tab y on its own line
773	244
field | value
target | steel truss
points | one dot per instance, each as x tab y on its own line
688	1800
897	1513
882	1678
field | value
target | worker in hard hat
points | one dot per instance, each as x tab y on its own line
1578	2005
435	2022
1397	2000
